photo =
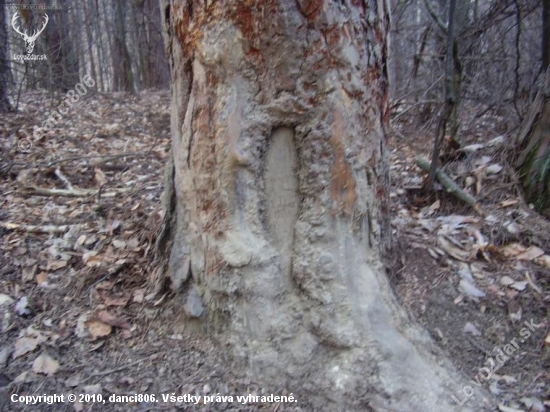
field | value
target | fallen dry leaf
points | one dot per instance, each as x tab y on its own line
72	382
79	242
28	342
509	202
99	177
493	169
116	301
119	244
42	277
5	299
470	290
126	334
92	388
45	364
22	306
28	273
92	259
512	250
81	329
453	250
24	345
112	226
506	280
98	329
530	253
504	408
54	265
21	378
107	317
519	285
139	295
543	261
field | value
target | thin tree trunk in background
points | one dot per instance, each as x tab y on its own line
450	94
123	76
276	209
99	33
533	141
545	34
89	39
5	73
62	51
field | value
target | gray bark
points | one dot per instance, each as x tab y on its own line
277	211
533	141
5	74
545	34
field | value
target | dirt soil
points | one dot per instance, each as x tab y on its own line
80	210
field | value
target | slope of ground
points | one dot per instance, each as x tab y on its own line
477	280
79	212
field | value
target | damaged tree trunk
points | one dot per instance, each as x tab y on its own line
276	207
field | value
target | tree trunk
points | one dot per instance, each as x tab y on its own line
533	162
545	34
123	77
276	201
5	72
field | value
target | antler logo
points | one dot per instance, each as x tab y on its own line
29	40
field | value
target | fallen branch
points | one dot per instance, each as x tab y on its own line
107	157
35	228
64	179
450	185
43	191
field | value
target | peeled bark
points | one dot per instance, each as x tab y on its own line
277	210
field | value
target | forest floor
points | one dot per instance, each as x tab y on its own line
80	210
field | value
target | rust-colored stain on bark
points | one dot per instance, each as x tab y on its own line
310	8
342	192
332	35
182	19
243	16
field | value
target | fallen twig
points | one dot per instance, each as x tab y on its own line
63	178
119	369
108	157
450	185
43	191
35	228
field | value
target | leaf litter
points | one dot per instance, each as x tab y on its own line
79	216
473	280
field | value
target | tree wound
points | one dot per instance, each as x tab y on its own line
281	193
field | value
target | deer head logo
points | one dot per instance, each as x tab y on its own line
29	40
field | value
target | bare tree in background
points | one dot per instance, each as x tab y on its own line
63	58
118	44
450	105
499	57
5	73
533	141
545	34
123	77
